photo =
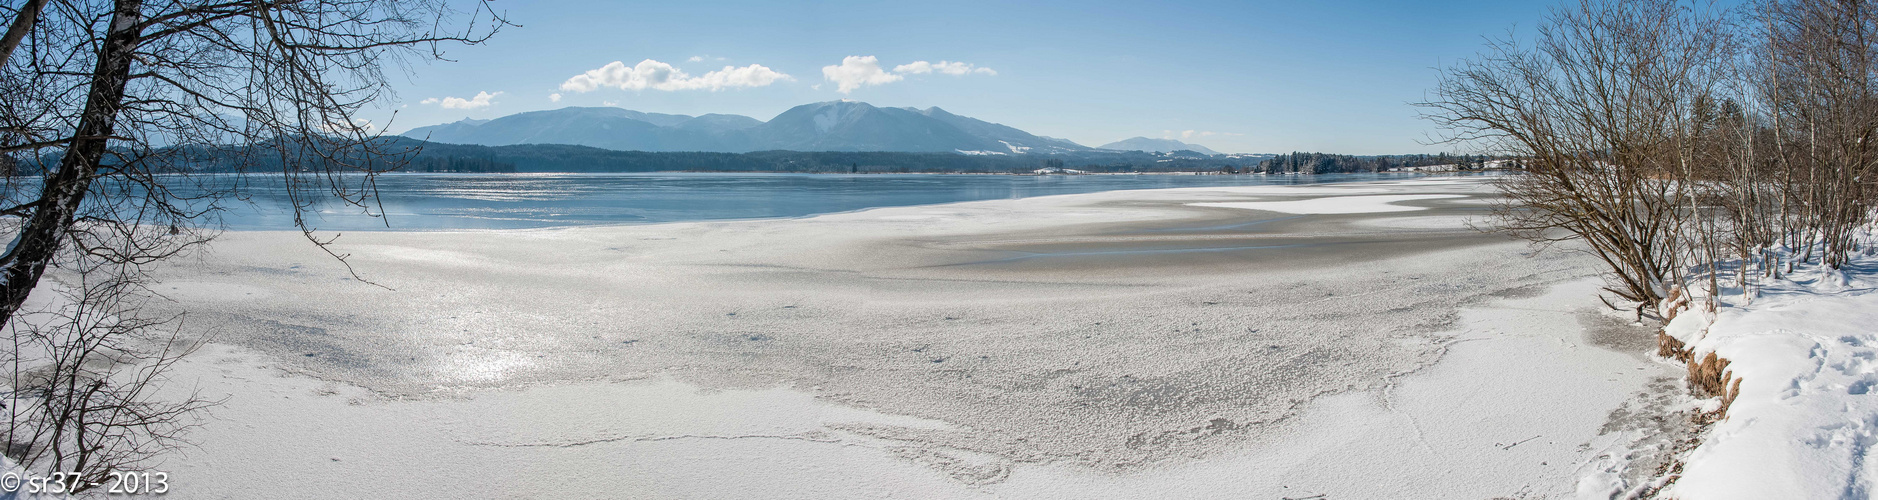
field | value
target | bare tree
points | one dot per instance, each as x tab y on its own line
120	107
87	370
1818	80
1682	143
1603	110
23	21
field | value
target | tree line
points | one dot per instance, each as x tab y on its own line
568	158
1323	163
400	154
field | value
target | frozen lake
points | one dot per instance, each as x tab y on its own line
524	201
1215	342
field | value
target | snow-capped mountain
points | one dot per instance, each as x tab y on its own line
1156	146
609	128
823	126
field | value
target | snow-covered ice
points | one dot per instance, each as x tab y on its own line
1120	344
1336	204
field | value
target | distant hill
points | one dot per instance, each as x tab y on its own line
452	129
719	123
609	128
1156	146
823	126
1016	141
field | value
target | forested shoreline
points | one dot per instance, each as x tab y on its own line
410	155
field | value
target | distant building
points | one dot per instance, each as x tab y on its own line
1428	168
1057	170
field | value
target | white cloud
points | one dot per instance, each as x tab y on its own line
556	97
696	59
953	68
916	67
650	74
482	100
609	103
857	71
754	75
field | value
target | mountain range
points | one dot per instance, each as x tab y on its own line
823	126
1156	146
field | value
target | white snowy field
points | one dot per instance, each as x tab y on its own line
1805	424
1112	345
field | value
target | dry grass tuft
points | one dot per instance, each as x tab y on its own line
1708	377
1668	347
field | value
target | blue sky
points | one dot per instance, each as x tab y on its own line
1250	76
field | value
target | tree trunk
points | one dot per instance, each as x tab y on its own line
38	241
22	24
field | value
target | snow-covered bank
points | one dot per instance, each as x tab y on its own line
1805	422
